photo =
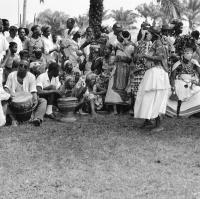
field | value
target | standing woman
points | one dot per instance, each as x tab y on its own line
152	96
48	43
141	65
35	42
116	93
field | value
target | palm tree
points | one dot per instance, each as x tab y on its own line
124	17
192	12
153	11
95	12
171	8
24	11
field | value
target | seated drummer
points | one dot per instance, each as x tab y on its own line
23	81
48	85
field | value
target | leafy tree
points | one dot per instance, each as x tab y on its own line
171	8
57	20
191	10
82	21
151	10
124	17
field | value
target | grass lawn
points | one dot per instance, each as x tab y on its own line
107	158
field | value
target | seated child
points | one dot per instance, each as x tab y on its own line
67	86
93	95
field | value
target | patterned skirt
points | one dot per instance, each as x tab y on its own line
136	82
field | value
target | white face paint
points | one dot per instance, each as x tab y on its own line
188	54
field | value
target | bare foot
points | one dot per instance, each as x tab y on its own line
14	123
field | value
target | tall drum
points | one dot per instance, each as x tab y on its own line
22	106
67	107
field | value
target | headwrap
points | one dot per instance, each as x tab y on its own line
183	42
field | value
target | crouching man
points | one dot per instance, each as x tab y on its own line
48	85
23	81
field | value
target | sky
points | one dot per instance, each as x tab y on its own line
9	8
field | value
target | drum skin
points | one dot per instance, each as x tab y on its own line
22	106
67	104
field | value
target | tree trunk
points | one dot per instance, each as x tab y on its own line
95	12
24	13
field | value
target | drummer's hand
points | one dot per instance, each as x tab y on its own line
35	99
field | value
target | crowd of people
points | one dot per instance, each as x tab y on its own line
152	75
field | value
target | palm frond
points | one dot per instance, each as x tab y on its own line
171	8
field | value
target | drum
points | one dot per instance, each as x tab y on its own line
22	106
67	107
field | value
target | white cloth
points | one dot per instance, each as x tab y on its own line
188	108
17	40
112	97
86	50
2	116
71	47
3	96
112	39
71	34
43	81
6	34
48	46
184	88
153	94
4	45
29	82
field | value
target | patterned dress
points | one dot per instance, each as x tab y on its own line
117	88
186	90
141	65
152	96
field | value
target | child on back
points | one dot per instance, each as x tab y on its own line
8	61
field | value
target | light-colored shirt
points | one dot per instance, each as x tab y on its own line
16	40
4	45
43	81
71	47
29	83
112	39
70	35
48	44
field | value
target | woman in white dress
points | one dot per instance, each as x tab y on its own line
152	95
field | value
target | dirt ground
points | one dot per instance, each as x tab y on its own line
106	158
